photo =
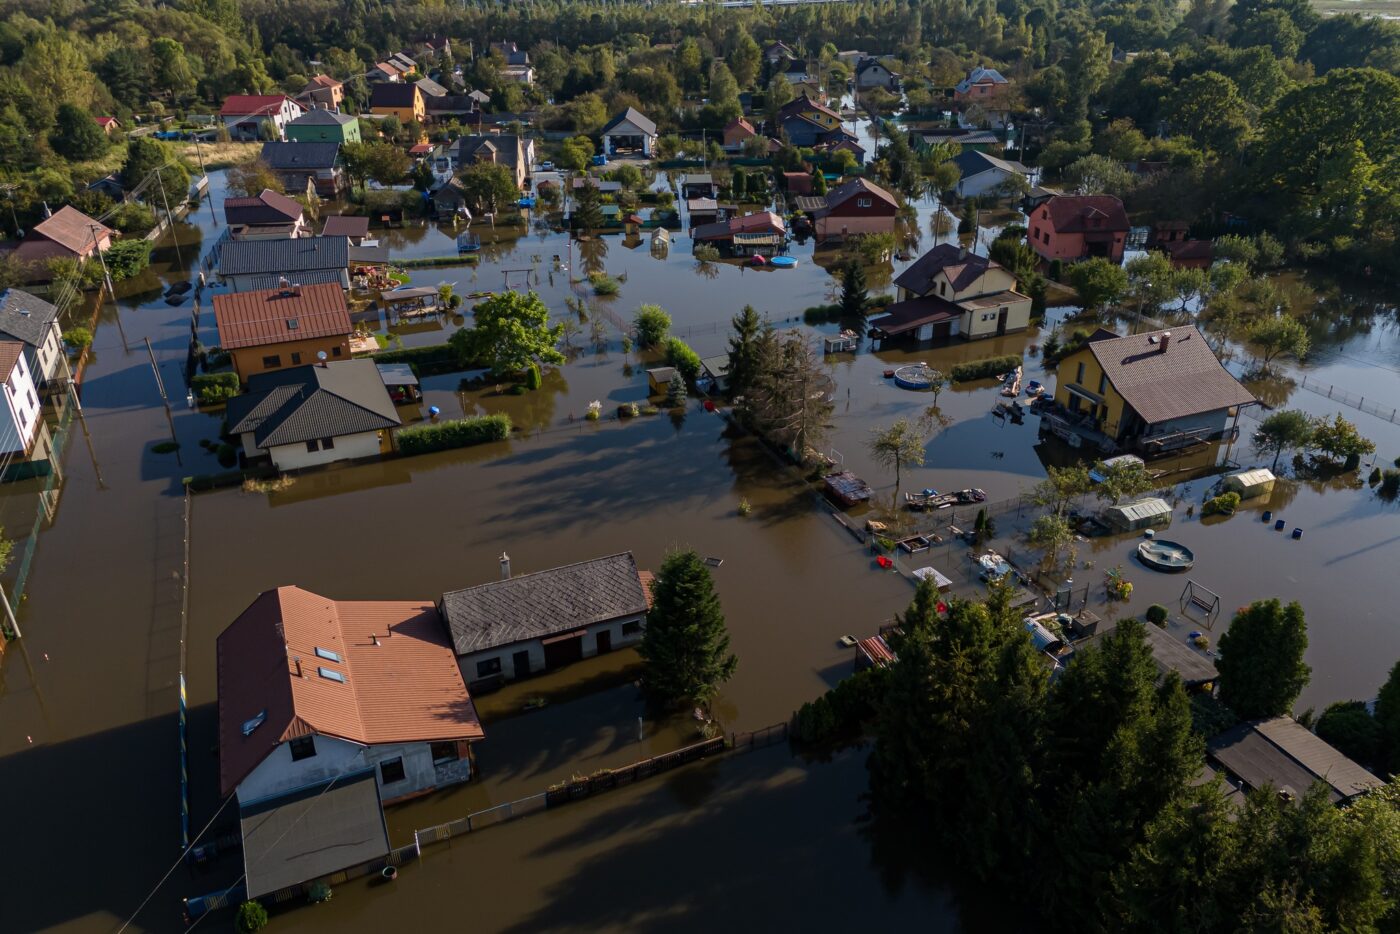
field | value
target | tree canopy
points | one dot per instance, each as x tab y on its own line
685	647
511	332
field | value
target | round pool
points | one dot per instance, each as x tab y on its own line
915	376
1162	555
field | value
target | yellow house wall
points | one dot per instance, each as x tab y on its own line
1065	377
982	322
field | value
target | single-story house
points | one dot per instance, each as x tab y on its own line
33	322
109	125
306	416
854	208
873	73
983	174
702	211
698	185
66	234
629	131
517	626
324	126
344	705
715	371
1155	391
1139	514
1074	227
736	132
246	115
19	417
980	140
1170	653
300	165
762	232
952	292
262	264
1288	758
269	329
356	227
269	215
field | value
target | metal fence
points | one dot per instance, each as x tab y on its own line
1389	412
759	739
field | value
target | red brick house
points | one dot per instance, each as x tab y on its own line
1075	227
855	208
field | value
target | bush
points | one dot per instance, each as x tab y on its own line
128	258
228	455
1225	504
1390	483
252	917
984	368
425	361
132	216
214	388
842	710
80	337
533	379
685	360
1057	270
603	284
456	433
165	447
821	314
705	253
652	324
1157	614
1349	726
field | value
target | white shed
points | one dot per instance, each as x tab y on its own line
1250	483
1139	514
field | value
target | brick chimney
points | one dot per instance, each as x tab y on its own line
505	566
1165	339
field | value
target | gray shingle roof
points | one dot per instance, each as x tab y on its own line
538	605
305	402
1283	753
280	156
319	117
25	317
281	257
1161	384
272	280
635	117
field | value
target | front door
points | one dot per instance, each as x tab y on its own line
1001	321
521	663
560	653
604	641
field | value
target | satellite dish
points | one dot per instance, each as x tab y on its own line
321	355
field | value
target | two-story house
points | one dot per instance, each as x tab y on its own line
307	166
66	234
515	152
1074	227
19	418
34	323
517	626
855	208
350	704
246	115
398	99
807	122
951	292
268	329
324	126
982	85
322	93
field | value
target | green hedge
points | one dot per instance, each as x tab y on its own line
680	356
428	262
457	433
845	709
984	368
1225	505
213	388
425	361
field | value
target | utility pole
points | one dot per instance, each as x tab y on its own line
155	369
10	613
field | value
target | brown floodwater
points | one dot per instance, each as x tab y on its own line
88	745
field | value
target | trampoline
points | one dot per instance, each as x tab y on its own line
1162	555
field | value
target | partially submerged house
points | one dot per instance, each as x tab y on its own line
248	265
951	292
353	226
1154	392
66	234
33	322
250	117
855	208
324	126
1171	238
1284	756
344	705
1074	227
20	418
516	153
629	131
517	626
307	416
984	174
762	232
806	121
1170	654
982	84
1145	513
270	215
304	167
873	73
268	329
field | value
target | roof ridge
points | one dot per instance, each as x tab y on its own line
557	567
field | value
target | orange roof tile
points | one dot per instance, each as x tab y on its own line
276	316
407	688
10	354
72	229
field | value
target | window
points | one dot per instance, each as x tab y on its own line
1103	383
862	202
296	359
1079	375
330	674
391	770
444	753
303	747
32	400
1035	233
312	446
632	628
335	351
491	666
327	444
942	288
327	654
274	360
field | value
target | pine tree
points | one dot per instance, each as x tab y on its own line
818	182
854	297
686	645
744	352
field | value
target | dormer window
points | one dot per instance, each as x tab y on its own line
862	202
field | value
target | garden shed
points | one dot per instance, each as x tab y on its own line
1250	483
659	378
1139	514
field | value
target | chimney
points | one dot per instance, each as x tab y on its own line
505	566
296	289
1165	340
297	659
962	252
373	639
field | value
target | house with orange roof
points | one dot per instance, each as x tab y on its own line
327	711
291	325
66	234
322	93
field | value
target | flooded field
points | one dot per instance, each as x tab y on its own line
88	743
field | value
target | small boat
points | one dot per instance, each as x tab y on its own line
932	499
1035	389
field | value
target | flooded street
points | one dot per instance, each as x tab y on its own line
88	742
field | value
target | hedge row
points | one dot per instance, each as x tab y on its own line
985	368
457	433
425	361
427	262
680	356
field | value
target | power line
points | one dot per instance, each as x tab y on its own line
145	901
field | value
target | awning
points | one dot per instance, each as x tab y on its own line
312	833
757	239
564	637
404	295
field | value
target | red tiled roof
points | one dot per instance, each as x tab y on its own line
739	123
105	121
72	229
10	353
405	689
1077	213
251	105
276	316
857	186
760	222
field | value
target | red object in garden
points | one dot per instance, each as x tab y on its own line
884	562
709	405
942	607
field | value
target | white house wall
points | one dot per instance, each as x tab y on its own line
347	447
278	774
535	647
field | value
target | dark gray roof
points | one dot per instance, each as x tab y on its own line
25	317
312	833
281	156
971	162
1285	755
507	147
282	257
538	605
430	88
393	94
319	117
1171	654
305	402
272	280
451	103
635	117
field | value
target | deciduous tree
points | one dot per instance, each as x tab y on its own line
1262	671
902	442
1286	429
511	332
